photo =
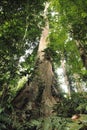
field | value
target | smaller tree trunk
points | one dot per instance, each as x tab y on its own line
83	53
78	83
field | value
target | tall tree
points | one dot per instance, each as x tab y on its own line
38	93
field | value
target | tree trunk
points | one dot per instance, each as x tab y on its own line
37	96
78	83
83	53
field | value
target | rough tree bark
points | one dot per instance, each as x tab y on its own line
37	96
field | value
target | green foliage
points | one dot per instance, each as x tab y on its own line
77	103
5	120
74	14
18	31
47	123
14	90
80	124
52	122
72	56
67	24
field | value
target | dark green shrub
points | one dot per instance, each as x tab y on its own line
77	103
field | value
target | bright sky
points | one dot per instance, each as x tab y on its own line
62	79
